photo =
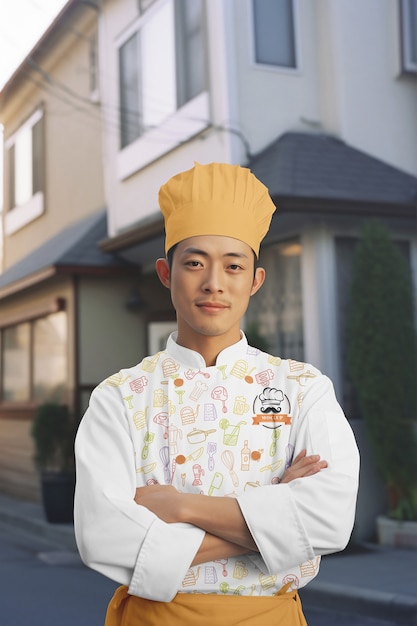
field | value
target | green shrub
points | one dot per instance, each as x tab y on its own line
382	359
53	432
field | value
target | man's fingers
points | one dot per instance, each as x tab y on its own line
315	468
303	461
299	456
304	466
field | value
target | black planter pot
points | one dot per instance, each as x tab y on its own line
58	496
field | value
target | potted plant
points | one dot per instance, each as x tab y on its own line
382	359
53	432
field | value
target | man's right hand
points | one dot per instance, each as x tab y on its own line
302	466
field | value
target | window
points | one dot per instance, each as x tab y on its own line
409	35
274	33
25	179
129	92
34	358
16	375
49	356
94	69
276	312
161	66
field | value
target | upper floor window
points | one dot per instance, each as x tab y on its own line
274	33
161	66
94	73
25	173
409	35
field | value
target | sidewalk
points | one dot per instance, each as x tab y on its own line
28	517
366	580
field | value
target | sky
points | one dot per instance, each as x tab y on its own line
22	23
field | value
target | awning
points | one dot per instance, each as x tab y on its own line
74	250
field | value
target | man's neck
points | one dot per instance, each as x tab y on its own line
208	347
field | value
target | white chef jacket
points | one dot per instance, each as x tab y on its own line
226	430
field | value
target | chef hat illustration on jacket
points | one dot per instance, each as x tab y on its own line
216	199
271	399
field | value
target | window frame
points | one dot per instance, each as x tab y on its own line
57	305
18	216
408	66
184	123
277	69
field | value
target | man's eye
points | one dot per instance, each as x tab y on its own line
235	267
193	263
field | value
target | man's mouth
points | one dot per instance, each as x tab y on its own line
211	307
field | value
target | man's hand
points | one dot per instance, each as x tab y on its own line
218	516
302	466
226	531
168	503
163	500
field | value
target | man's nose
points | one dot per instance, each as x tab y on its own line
213	280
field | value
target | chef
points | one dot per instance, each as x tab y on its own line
212	476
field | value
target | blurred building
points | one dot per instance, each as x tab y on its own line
317	97
55	281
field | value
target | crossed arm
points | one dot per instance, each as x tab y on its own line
227	534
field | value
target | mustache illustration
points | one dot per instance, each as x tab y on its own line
270	409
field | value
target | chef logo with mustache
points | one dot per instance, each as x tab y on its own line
272	408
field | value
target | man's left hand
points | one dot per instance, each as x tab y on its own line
163	500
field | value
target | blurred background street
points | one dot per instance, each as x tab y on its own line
101	101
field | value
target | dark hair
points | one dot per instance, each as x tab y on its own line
170	257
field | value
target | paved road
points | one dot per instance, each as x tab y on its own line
41	586
324	618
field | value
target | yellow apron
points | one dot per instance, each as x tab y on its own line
188	609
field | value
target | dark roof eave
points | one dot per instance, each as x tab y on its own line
133	236
52	271
285	204
294	204
80	270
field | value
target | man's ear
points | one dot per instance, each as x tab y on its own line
258	281
162	269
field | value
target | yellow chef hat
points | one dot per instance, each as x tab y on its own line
216	199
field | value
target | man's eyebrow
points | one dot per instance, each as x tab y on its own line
195	251
240	255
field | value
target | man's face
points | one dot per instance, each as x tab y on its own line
211	281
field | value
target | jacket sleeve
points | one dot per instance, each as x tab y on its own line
312	516
115	536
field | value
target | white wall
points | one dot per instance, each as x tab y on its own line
133	198
275	100
109	336
364	99
348	83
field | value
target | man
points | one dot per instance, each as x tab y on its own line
211	477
